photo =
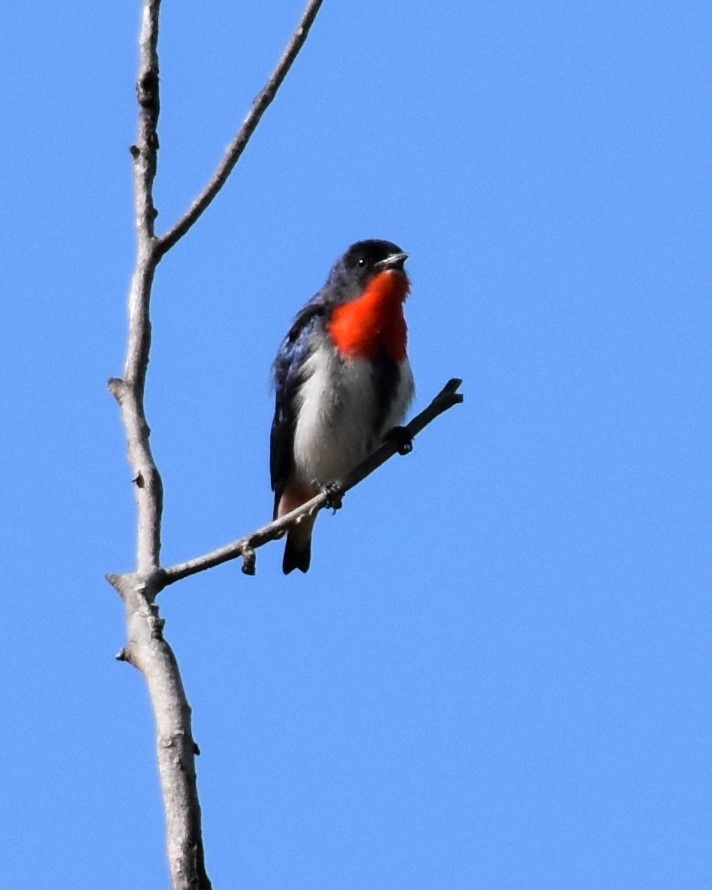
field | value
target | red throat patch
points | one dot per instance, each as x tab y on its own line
374	322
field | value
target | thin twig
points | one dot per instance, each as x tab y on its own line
237	146
444	400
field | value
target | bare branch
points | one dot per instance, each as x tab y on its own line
148	651
246	546
129	391
146	648
238	144
145	152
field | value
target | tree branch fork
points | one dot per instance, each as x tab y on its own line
149	584
146	647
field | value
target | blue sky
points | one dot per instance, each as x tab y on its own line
498	672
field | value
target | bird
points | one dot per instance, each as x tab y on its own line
342	381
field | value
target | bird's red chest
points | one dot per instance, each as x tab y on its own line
373	323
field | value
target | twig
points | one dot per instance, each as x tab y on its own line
444	400
237	146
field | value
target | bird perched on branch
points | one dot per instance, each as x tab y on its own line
342	382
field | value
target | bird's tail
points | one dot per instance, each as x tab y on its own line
297	549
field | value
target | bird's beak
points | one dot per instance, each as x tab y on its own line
394	261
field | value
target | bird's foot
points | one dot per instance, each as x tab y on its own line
401	438
334	496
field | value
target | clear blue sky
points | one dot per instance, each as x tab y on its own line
498	673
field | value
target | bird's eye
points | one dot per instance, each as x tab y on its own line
362	261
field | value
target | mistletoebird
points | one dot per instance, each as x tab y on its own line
342	382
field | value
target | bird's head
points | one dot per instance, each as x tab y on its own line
362	263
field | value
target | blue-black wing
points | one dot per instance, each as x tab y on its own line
287	373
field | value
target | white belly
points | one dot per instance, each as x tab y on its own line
335	426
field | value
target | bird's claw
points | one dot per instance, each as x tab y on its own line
402	439
334	496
